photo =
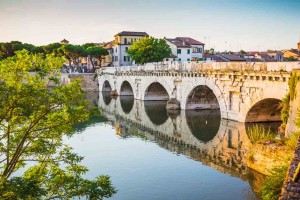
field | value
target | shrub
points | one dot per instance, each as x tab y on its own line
272	185
258	133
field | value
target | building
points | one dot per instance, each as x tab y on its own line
231	57
295	53
118	48
185	49
64	41
276	55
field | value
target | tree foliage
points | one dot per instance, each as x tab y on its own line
33	120
8	49
149	49
97	52
72	52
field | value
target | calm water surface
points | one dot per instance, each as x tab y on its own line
154	154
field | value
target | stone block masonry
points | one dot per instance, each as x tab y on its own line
239	90
89	81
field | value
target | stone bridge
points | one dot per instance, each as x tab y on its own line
244	92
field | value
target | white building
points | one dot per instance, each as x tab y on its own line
118	48
185	49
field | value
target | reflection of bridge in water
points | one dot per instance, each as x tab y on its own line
200	135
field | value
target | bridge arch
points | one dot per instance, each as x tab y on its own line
126	89
265	110
201	98
156	92
106	86
210	84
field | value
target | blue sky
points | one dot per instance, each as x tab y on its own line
221	24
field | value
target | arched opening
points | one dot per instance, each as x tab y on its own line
156	92
126	89
202	98
106	87
203	124
266	110
127	103
156	111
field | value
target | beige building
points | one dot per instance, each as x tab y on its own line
118	48
295	53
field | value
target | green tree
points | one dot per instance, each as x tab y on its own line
97	52
291	58
73	52
242	52
149	49
87	45
33	121
51	48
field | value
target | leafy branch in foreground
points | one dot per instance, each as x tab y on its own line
33	121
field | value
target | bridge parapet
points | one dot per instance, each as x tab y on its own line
209	66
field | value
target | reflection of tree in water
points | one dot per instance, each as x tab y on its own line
127	103
156	111
204	124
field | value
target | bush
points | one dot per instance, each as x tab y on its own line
272	185
258	133
292	140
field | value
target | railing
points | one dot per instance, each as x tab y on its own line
208	66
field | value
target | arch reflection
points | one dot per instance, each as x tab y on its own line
106	98
203	124
127	103
156	111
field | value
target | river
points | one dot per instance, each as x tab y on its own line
151	153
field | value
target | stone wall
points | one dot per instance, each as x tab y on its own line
291	188
294	109
89	81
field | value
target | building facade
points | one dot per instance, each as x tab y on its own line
118	48
185	49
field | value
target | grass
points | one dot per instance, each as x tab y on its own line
258	134
272	185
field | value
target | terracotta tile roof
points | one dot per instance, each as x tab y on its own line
189	41
178	43
131	33
108	44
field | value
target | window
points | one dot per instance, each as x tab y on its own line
116	50
125	40
116	58
174	59
126	49
167	59
188	51
200	50
179	59
188	59
113	58
178	51
112	51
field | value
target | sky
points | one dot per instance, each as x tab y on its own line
229	25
